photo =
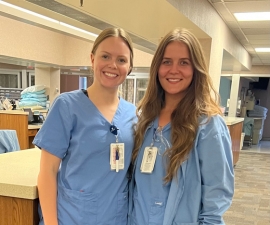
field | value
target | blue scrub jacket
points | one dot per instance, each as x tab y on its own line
204	186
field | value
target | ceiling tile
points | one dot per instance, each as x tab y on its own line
264	56
255	24
256	60
260	42
259	37
261	46
256	30
248	6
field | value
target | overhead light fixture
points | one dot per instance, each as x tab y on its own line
28	11
47	18
78	29
252	16
262	49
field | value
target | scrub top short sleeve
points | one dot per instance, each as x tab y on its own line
59	123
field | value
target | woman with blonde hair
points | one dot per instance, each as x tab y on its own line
189	178
90	133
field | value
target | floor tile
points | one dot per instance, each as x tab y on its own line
251	202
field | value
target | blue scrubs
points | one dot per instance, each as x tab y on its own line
201	191
89	192
150	202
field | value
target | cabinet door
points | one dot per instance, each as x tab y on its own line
235	132
18	211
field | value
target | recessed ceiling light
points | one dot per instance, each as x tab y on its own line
262	49
252	16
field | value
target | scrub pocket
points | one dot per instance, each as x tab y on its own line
75	207
157	211
122	208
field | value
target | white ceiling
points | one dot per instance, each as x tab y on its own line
250	34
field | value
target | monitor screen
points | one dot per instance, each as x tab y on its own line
30	114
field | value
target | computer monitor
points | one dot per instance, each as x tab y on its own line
30	115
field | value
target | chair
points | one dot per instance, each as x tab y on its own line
8	141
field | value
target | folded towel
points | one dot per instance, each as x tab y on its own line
8	141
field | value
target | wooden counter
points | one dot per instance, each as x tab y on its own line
235	125
18	187
18	120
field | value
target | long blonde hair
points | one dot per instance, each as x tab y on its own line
184	119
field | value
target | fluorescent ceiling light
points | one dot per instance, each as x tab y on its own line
252	16
78	29
28	11
46	18
262	49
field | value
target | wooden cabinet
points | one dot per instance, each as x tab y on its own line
31	135
16	121
235	132
18	211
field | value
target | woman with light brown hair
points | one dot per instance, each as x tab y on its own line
189	178
90	134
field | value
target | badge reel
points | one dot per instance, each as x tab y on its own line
117	152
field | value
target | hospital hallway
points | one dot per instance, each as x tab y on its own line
251	202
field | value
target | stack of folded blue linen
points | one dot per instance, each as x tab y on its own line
33	96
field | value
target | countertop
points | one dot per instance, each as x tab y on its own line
13	112
232	120
19	171
22	112
33	127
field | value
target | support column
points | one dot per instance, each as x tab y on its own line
50	77
24	79
234	95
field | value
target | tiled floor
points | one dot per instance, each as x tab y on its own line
251	202
262	147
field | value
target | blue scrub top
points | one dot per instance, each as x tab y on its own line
89	192
150	203
202	190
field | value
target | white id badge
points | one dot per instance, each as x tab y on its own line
149	159
117	156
